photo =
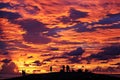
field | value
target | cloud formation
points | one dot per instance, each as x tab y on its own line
4	5
6	61
48	32
77	52
34	31
9	15
9	68
3	48
107	53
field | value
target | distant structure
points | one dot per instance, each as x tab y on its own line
23	73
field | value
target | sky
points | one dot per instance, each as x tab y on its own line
37	34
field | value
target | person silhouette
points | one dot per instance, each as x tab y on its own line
23	73
67	68
50	68
63	68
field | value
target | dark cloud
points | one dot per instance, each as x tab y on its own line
68	42
9	68
5	5
30	56
32	25
18	44
76	55
37	62
78	52
82	27
115	38
73	16
76	14
112	50
64	19
107	53
53	32
2	45
110	40
9	15
74	59
1	32
3	49
54	49
36	39
110	19
114	26
34	30
87	6
55	57
6	60
32	9
118	64
46	55
104	62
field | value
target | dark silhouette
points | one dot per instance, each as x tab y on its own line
79	70
65	75
67	68
86	70
73	70
23	73
50	68
63	68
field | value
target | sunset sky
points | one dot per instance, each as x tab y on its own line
37	34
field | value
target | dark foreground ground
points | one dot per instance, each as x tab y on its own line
65	76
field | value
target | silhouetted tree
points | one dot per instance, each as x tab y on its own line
79	70
86	70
